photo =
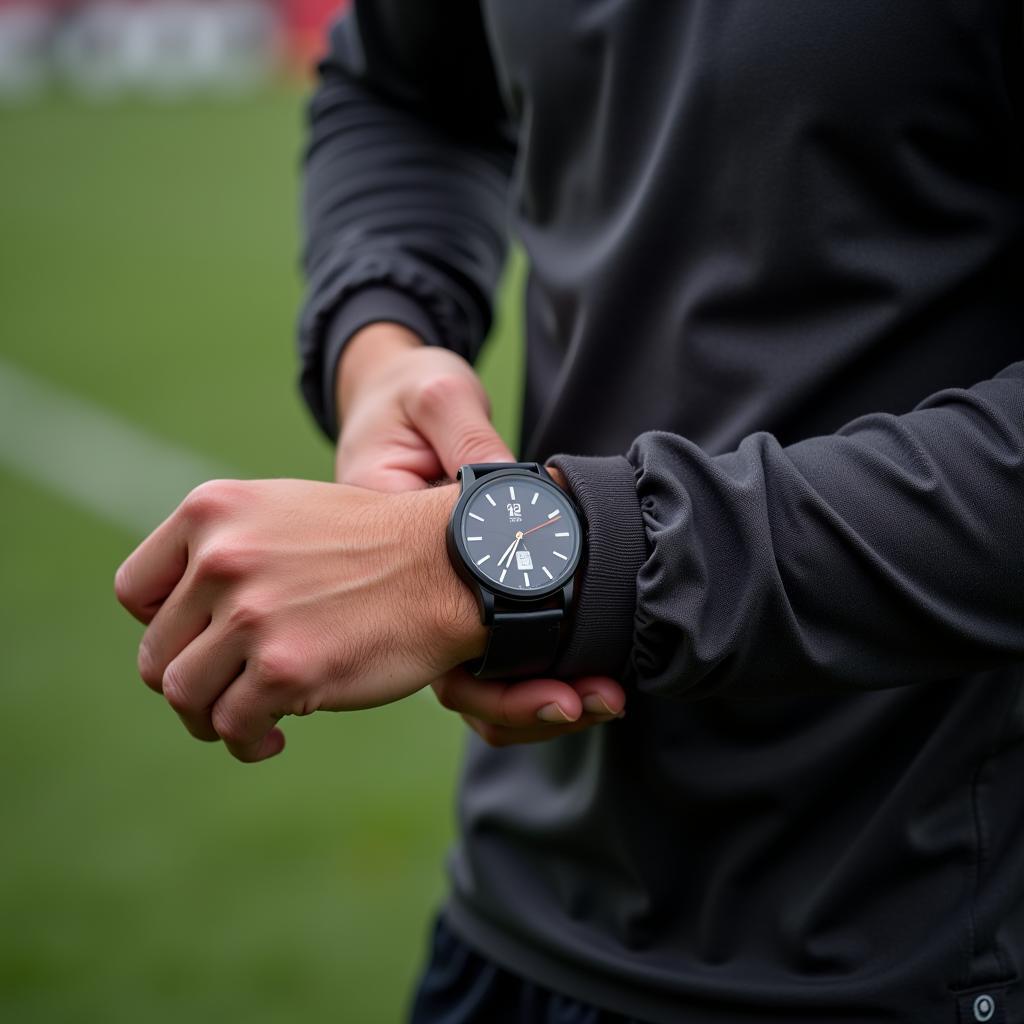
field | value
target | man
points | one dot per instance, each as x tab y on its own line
775	302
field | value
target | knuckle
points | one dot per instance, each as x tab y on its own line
209	499
477	440
280	666
435	393
228	726
148	667
175	691
303	705
248	614
222	560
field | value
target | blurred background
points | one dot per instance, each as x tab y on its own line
149	283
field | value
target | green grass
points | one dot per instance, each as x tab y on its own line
148	262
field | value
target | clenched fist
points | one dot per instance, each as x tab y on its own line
284	597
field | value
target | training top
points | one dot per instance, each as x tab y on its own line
775	313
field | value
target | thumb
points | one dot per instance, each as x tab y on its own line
452	413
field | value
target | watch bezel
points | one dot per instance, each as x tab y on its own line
464	563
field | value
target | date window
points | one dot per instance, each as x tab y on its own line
524	561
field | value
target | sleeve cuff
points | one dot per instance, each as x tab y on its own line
601	634
366	306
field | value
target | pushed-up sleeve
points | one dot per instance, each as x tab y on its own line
406	180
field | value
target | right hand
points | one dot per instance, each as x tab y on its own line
412	414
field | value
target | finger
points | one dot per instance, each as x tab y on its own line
515	704
600	695
176	624
197	677
380	459
245	722
504	736
383	478
452	414
153	569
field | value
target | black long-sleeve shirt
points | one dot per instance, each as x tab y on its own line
774	327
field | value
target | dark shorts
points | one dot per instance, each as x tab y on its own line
459	986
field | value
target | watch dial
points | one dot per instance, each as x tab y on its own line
520	533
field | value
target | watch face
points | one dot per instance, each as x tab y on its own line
520	534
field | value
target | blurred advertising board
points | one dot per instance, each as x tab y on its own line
163	49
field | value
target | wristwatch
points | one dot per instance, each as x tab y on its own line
514	537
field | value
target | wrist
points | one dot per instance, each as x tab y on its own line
558	476
515	540
454	616
365	355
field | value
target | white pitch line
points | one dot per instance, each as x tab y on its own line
86	455
104	464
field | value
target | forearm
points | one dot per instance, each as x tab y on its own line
404	202
454	608
366	355
883	555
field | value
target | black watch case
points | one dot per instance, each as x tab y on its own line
482	529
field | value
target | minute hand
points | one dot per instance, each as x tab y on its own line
508	552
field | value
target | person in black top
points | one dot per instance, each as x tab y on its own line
774	342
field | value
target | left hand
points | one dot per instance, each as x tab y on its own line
503	714
284	597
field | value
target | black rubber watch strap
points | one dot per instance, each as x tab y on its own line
524	636
480	469
521	644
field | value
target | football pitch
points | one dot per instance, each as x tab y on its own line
148	292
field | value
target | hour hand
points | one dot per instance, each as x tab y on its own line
508	552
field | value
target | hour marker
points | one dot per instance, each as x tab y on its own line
551	515
481	538
564	558
475	516
526	576
546	573
490	499
536	495
501	578
566	534
480	561
512	493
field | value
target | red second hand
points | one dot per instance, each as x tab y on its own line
539	525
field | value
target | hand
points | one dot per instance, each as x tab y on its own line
503	714
411	414
284	597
